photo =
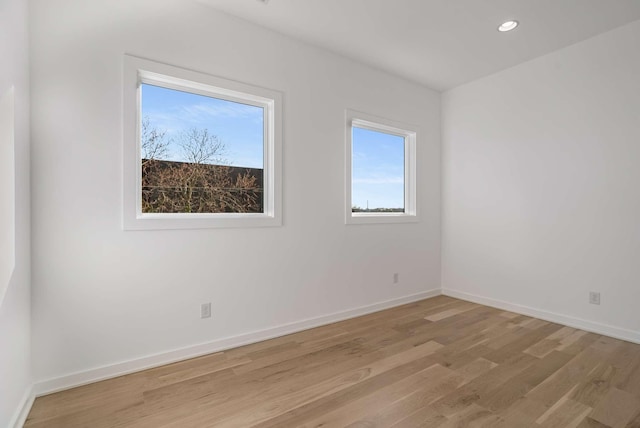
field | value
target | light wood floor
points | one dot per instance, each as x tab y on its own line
440	362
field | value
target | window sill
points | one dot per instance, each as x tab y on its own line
199	221
380	218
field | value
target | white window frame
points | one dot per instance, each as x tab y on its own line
410	134
138	71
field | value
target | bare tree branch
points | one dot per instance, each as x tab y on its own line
154	145
199	146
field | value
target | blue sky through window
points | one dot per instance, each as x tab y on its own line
238	126
378	158
377	169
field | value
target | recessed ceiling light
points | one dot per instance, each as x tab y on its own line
507	26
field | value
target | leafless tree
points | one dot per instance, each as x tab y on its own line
154	143
199	146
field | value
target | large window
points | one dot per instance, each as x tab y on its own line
380	170
200	151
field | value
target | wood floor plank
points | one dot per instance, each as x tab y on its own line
358	411
590	423
524	410
263	410
504	395
320	407
473	391
450	312
440	362
565	380
472	417
616	408
569	415
425	417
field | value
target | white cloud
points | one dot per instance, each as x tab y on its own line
177	119
199	112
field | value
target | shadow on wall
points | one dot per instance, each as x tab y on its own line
7	191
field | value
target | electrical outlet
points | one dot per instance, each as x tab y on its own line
396	278
205	310
594	298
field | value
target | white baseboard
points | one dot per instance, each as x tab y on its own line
122	368
23	409
114	370
594	327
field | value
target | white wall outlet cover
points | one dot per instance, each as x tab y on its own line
205	310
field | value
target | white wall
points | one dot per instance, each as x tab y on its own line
15	342
541	199
102	295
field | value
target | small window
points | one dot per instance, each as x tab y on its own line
200	151
380	170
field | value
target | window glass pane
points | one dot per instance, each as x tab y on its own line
200	154
377	171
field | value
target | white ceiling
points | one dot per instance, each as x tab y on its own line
439	43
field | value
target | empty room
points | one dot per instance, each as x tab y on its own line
336	213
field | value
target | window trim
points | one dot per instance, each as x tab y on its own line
410	134
138	71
